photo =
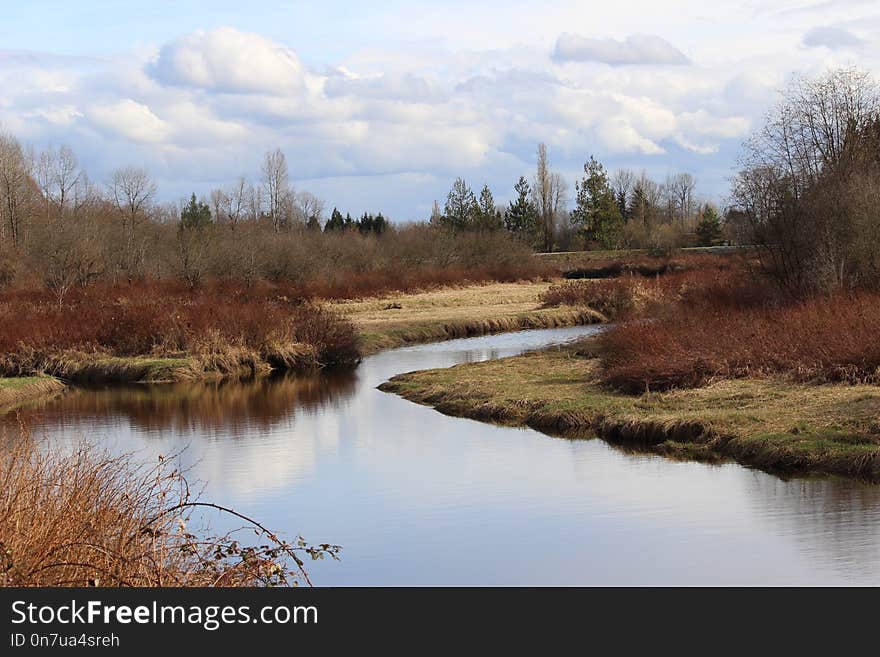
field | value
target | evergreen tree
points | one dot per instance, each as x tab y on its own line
349	222
195	215
487	216
709	229
335	222
622	206
380	223
521	217
597	214
461	206
313	223
365	224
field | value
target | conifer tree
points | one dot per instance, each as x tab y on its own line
709	228
521	216
596	213
461	206
195	215
335	222
487	216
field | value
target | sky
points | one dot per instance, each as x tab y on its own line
380	106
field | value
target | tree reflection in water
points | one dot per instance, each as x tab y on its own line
238	407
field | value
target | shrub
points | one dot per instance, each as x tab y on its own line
86	518
167	319
612	298
828	339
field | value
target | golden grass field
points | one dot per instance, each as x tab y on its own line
399	319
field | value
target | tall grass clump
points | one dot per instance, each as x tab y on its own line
86	518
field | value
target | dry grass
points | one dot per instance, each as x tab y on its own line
454	312
768	423
21	389
90	519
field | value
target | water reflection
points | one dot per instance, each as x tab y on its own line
835	520
240	408
416	497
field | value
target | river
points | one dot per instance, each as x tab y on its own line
418	498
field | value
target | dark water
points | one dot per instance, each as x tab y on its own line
415	497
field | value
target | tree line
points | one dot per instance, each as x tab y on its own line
807	193
623	209
56	221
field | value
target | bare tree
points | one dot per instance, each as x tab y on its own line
682	187
645	200
275	185
132	191
255	204
668	197
307	206
803	180
436	214
83	194
44	166
622	182
219	201
237	200
59	176
549	197
14	190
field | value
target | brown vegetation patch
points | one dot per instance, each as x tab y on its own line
89	519
223	328
835	339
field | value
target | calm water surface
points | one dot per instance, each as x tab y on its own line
415	497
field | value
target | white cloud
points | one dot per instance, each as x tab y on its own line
617	134
645	49
392	86
228	60
128	119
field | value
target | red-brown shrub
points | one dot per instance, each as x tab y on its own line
168	317
821	340
613	298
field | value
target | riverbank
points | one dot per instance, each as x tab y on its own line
770	424
19	390
379	323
